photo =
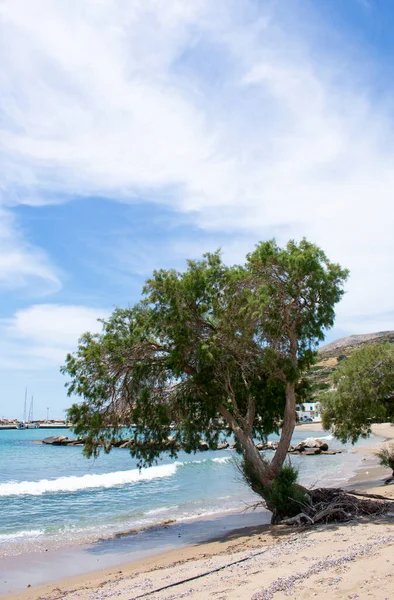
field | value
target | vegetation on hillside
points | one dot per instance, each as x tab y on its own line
331	356
363	391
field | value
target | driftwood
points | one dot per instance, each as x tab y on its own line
327	505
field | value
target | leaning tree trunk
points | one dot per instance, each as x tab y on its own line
295	504
289	422
262	474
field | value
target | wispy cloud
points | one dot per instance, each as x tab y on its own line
40	336
227	111
22	265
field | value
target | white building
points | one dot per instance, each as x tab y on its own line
308	410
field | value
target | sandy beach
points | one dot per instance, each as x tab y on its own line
353	561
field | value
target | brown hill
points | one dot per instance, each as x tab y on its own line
331	354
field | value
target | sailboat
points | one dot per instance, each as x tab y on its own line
30	424
22	424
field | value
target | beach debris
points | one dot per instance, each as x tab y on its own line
326	505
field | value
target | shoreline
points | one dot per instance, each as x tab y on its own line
195	553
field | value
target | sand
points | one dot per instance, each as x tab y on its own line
352	561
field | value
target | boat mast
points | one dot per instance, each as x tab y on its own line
25	407
31	410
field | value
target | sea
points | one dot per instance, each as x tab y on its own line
53	496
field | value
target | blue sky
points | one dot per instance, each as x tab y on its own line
137	134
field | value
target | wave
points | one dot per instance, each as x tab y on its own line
75	484
9	537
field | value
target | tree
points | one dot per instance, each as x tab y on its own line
213	348
363	392
386	459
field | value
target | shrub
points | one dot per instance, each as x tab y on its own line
284	497
386	456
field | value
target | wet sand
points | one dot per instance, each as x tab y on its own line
260	562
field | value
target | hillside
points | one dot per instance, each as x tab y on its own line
331	354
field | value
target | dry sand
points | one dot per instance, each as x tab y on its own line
352	561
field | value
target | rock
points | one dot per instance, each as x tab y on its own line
322	445
312	451
260	446
223	446
299	448
119	443
203	446
271	445
55	440
125	445
311	443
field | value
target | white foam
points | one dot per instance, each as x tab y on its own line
9	537
74	484
222	459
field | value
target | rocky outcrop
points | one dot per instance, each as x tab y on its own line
309	447
62	440
57	440
310	443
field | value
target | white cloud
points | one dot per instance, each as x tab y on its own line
101	99
41	335
56	324
21	264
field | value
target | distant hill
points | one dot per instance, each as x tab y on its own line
352	341
333	353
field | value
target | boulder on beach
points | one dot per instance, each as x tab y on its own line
311	443
272	445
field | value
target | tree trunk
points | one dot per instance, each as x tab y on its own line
250	452
262	474
289	422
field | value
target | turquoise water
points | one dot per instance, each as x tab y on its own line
52	495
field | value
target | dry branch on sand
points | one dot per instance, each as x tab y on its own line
327	505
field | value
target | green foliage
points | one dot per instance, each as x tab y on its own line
211	343
284	496
386	456
297	289
364	392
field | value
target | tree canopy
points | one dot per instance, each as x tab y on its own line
363	392
213	349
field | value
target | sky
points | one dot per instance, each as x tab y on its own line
136	134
